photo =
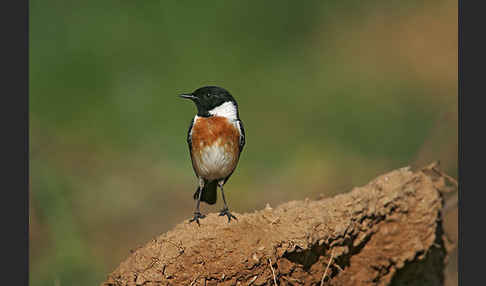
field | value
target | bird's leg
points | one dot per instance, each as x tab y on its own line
225	211
197	213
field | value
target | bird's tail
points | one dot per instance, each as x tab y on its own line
209	194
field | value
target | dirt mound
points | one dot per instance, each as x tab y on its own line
387	232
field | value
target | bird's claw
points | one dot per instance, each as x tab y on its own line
226	212
197	216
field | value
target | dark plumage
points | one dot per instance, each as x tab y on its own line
215	138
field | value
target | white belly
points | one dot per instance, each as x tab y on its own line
214	163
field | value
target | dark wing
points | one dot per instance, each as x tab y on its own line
242	135
242	144
189	142
189	138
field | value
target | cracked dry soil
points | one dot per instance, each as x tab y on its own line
388	232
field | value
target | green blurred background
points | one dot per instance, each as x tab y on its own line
332	94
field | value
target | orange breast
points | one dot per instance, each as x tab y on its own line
220	134
214	130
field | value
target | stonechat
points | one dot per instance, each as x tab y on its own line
216	138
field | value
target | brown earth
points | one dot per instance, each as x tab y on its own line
388	232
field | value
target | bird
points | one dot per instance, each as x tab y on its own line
215	138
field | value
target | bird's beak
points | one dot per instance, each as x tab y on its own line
187	96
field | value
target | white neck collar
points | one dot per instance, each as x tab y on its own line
227	109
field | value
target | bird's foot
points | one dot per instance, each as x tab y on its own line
226	212
197	216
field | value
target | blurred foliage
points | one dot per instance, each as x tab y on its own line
332	93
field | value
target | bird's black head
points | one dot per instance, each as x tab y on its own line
208	98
